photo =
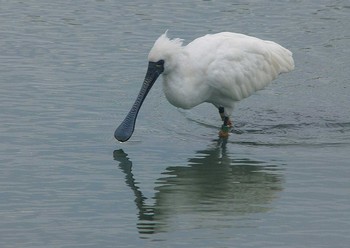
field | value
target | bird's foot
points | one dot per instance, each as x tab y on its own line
229	123
224	131
225	128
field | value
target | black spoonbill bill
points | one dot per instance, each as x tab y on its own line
220	68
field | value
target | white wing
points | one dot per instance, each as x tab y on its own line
237	65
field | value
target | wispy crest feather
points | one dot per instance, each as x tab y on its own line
164	48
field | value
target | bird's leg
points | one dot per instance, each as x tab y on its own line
225	128
223	117
222	112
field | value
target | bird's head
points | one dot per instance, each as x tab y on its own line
166	50
161	60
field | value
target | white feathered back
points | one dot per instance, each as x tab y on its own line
238	65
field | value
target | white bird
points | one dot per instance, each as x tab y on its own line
220	68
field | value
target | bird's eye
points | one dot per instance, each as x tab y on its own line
160	63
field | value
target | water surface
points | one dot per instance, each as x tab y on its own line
70	71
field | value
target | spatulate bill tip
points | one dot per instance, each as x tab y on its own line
122	135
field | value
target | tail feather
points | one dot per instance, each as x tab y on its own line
281	58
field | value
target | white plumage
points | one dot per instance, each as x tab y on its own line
218	68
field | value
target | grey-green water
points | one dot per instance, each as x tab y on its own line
70	70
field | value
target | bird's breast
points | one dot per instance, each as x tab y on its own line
177	97
183	93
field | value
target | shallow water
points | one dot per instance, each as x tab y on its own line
69	74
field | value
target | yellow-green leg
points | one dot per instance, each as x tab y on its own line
226	126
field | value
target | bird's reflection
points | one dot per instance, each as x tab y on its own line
146	213
212	182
